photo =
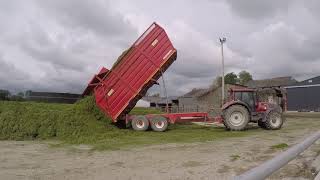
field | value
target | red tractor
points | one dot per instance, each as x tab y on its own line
244	106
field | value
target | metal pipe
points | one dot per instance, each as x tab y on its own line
165	91
317	177
222	41
266	169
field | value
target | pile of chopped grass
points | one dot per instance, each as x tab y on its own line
83	123
28	120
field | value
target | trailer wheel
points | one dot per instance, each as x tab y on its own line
159	123
274	120
140	123
236	118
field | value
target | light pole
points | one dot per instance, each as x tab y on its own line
222	41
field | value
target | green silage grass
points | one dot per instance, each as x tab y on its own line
83	123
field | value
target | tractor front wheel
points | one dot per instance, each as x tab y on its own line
274	120
236	118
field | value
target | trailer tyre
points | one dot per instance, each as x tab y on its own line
159	123
274	120
236	118
140	123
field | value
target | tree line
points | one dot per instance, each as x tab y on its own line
6	95
241	78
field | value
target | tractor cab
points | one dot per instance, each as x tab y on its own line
244	95
249	98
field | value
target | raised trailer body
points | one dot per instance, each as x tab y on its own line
119	89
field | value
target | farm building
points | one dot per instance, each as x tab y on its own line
143	103
269	95
161	102
304	95
206	100
52	97
209	99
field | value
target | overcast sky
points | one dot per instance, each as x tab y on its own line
59	45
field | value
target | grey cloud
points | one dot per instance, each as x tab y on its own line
189	70
279	50
51	53
97	16
258	9
11	77
66	42
313	6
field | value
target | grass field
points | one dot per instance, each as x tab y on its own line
83	123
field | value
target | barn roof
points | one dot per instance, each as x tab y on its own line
202	92
307	82
195	92
273	82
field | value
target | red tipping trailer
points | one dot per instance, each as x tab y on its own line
119	89
134	73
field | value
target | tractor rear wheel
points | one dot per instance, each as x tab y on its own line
140	123
274	120
236	118
159	123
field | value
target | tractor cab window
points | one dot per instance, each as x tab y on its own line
246	97
237	96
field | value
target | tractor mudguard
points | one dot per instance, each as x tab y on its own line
231	103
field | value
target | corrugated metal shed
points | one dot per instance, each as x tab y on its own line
304	95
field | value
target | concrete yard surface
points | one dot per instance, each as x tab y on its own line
219	159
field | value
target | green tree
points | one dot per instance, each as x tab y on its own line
4	94
244	77
230	78
21	94
16	98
